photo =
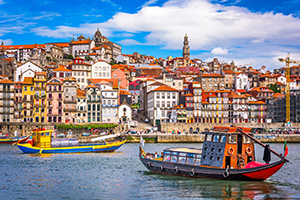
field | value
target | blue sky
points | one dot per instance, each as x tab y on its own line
245	31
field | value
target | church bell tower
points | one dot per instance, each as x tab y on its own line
186	50
98	41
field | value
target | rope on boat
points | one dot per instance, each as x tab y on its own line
41	151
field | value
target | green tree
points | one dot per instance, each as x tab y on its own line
70	56
274	87
88	58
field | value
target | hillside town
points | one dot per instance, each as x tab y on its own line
89	80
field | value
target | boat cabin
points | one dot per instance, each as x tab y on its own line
41	138
223	148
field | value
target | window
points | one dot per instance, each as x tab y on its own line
157	95
157	104
173	95
182	160
208	137
216	138
232	139
190	159
167	158
168	95
162	95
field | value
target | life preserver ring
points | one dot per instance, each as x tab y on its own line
248	151
161	168
176	170
226	173
192	173
230	151
148	165
241	162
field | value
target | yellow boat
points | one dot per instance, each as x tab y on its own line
42	142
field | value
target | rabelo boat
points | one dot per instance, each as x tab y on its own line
227	153
41	141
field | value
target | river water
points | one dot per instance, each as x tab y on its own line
120	175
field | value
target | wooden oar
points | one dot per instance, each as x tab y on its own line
261	144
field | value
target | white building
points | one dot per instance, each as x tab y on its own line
81	71
27	69
101	70
160	102
81	106
124	113
241	81
110	106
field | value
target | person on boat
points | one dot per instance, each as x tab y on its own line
155	155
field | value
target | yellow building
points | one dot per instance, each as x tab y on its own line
40	114
27	96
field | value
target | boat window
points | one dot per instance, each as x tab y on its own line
208	137
190	161
47	134
246	140
182	160
216	138
223	138
33	134
174	159
167	158
182	154
232	139
199	156
42	134
167	152
197	161
175	153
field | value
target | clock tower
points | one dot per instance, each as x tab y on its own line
186	50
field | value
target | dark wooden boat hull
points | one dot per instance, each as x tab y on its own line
256	173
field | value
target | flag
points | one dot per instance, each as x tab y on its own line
286	149
142	140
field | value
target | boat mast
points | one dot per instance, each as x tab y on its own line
261	144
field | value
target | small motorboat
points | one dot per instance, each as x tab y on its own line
42	142
227	153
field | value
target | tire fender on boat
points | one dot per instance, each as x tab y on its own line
192	173
161	168
148	165
176	170
226	173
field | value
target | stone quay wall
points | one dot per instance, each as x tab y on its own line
185	127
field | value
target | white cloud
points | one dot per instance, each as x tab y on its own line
130	42
2	2
247	34
148	3
6	42
219	51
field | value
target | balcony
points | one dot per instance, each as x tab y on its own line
70	109
39	96
40	88
69	101
59	99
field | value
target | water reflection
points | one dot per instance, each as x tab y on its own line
221	189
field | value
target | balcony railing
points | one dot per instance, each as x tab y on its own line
70	109
69	101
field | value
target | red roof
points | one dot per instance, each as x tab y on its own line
165	88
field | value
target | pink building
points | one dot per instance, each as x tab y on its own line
55	100
120	75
